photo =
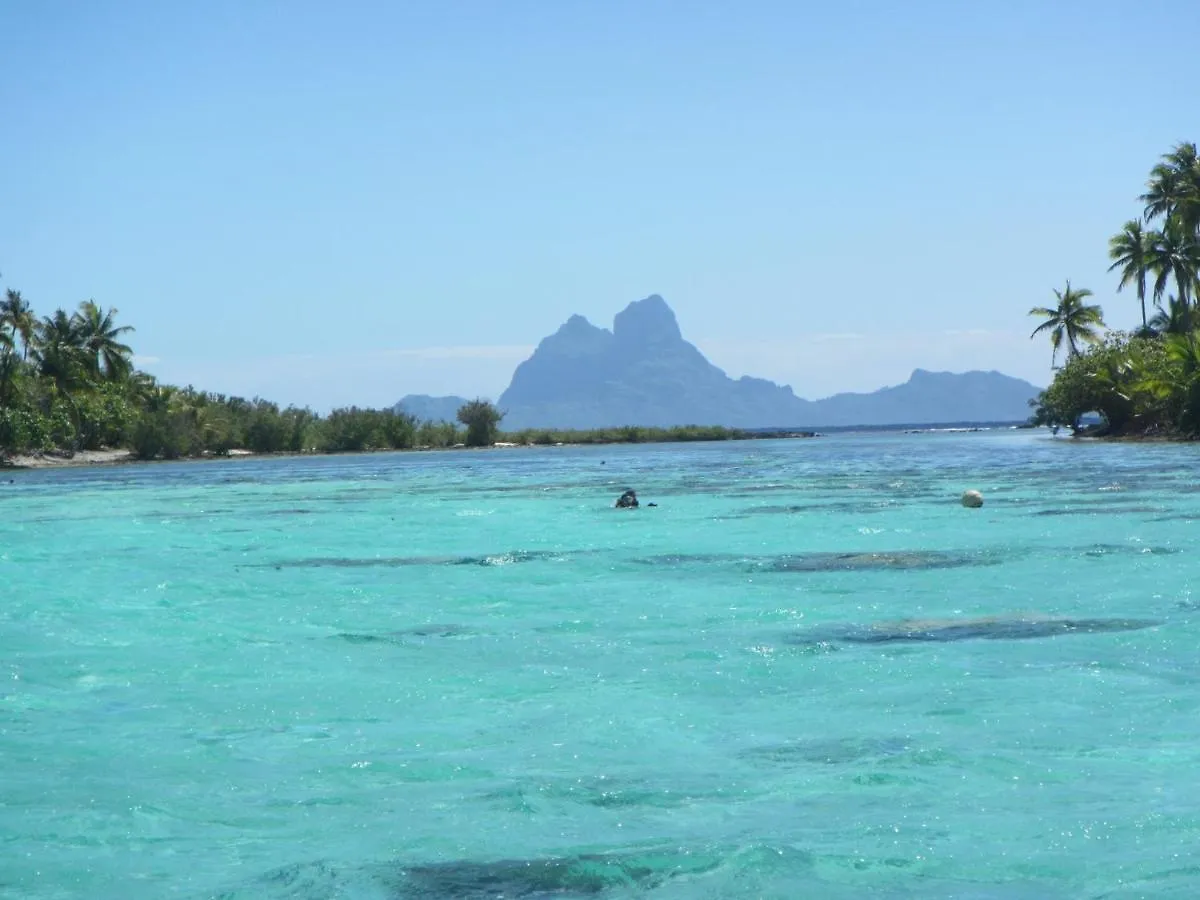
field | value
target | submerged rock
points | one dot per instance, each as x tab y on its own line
905	559
833	562
583	875
572	876
497	559
986	628
827	751
607	792
404	634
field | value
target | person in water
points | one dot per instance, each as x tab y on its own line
629	500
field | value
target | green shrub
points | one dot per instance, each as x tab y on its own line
483	422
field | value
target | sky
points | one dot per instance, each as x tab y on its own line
343	203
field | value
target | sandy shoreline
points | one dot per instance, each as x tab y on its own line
95	458
125	457
86	458
54	461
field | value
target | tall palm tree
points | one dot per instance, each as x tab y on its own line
8	359
1128	250
1174	254
107	356
59	355
10	368
1071	319
59	352
17	315
1173	191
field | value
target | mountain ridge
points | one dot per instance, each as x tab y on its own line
643	372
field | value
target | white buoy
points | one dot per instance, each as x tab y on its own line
972	499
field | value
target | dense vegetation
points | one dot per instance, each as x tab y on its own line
482	421
68	383
1148	381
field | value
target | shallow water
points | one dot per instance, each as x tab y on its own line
465	675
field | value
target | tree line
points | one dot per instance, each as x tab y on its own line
1146	381
68	383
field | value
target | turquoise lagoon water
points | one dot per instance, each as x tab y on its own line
466	675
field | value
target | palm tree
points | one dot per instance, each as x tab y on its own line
1173	253
17	315
10	369
59	352
59	355
1171	320
141	386
1173	191
8	360
1072	319
1129	250
106	355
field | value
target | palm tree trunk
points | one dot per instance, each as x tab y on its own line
1184	303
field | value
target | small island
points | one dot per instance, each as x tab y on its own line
1145	383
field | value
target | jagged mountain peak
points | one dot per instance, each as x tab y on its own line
643	372
648	321
577	323
575	337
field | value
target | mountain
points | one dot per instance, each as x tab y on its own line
643	372
431	409
930	398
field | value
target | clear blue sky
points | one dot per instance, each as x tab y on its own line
329	203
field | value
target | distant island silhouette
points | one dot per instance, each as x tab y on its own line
643	372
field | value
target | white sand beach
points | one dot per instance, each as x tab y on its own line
56	461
